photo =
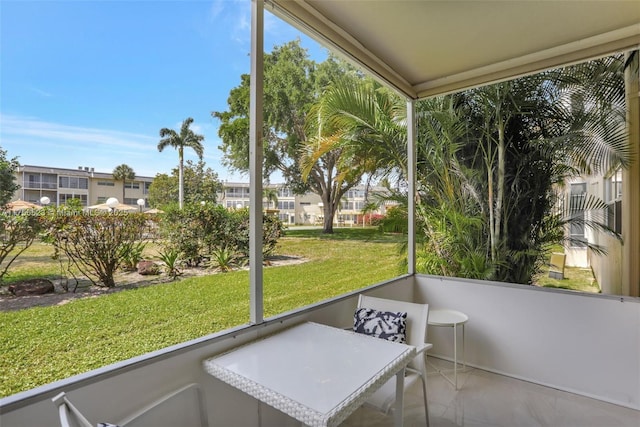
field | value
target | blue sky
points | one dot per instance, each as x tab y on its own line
90	83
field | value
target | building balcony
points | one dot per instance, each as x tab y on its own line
30	185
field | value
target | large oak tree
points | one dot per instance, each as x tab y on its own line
293	83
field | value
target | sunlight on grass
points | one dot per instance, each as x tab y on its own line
44	344
575	278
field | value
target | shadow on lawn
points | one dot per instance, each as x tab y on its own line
358	233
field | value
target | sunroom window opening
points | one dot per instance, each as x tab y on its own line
490	163
94	85
343	229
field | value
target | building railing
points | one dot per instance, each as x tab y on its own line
40	185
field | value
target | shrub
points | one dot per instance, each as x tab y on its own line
97	244
171	260
200	232
395	221
133	255
16	231
223	259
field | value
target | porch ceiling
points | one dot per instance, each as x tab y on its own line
425	48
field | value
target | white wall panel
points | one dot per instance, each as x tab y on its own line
587	344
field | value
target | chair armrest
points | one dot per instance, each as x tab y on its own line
422	348
69	415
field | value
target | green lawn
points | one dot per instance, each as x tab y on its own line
41	345
45	344
575	278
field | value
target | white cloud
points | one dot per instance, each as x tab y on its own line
216	8
40	92
43	143
15	126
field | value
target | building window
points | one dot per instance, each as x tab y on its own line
355	194
106	183
131	201
49	181
613	198
132	184
346	206
284	192
74	182
65	197
32	181
237	192
576	208
147	185
286	204
284	217
614	216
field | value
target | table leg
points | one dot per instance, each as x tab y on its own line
464	358
455	355
398	413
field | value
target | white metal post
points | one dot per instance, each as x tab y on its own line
411	194
399	405
631	185
255	162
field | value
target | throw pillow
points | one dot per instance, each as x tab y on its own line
388	325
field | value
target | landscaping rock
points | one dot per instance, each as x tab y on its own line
32	287
148	268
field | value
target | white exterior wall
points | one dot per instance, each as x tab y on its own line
607	269
308	212
581	343
576	257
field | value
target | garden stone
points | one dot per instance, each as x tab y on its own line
32	287
148	268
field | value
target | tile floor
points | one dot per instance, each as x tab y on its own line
489	400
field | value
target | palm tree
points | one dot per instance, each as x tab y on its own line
271	195
123	173
356	128
186	138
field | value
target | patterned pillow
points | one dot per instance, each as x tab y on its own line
388	325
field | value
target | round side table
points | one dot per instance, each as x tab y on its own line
451	318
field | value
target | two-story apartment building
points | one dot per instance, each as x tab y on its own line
84	184
305	209
91	188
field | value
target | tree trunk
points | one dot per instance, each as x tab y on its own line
180	178
492	234
327	226
500	228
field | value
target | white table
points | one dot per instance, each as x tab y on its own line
451	318
314	373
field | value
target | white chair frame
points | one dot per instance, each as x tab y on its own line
417	317
70	416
